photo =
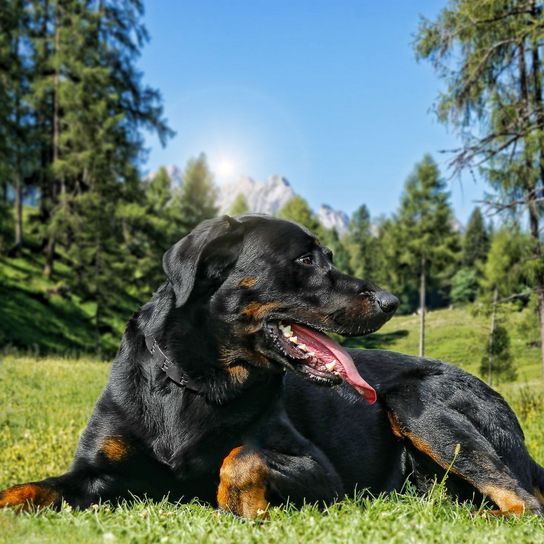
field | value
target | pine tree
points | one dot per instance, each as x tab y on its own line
298	210
504	280
391	272
196	200
464	285
506	268
497	364
476	240
90	103
16	153
341	256
489	54
428	240
150	225
362	244
239	206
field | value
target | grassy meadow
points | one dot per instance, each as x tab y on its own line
45	403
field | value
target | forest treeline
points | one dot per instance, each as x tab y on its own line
73	108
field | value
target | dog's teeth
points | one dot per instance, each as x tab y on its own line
302	347
330	366
286	330
293	339
311	353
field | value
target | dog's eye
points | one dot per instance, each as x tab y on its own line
307	260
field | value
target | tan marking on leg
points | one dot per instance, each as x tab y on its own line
258	310
424	447
243	483
420	444
246	283
539	495
27	496
114	448
508	501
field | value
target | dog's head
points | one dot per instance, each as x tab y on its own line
266	291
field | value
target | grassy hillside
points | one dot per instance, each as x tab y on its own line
457	336
43	317
45	403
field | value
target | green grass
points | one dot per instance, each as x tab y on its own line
45	403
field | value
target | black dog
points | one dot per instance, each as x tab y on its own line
199	404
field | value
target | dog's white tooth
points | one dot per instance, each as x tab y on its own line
293	339
330	366
303	347
286	331
311	353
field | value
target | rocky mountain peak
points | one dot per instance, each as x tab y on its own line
267	196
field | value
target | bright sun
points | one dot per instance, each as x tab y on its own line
225	168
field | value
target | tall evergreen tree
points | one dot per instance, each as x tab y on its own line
475	246
390	272
150	225
506	268
497	364
90	102
331	239
362	244
490	55
425	219
475	240
505	275
196	200
15	143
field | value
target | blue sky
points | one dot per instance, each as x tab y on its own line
326	93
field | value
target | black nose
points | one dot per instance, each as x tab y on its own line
388	302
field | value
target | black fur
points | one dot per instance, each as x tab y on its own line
286	435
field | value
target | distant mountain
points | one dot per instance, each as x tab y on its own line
267	196
261	196
333	219
270	196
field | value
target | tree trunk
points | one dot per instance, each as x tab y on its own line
18	212
422	289
18	143
52	242
492	337
98	295
533	207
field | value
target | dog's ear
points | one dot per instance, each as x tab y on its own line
214	239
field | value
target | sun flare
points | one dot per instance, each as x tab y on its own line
225	168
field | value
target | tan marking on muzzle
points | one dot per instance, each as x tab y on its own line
258	310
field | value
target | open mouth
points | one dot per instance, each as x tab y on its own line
317	357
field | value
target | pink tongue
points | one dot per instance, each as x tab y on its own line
326	348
